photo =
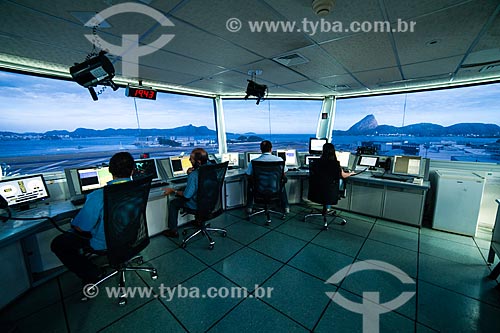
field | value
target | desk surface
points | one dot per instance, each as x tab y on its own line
13	230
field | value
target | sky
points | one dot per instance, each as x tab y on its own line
33	104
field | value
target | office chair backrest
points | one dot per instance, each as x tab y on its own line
124	215
209	194
324	179
267	180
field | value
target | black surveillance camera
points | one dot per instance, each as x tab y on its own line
257	90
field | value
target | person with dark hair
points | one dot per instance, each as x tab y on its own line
88	227
266	147
328	153
186	198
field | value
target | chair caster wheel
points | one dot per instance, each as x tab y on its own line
139	261
183	245
122	301
325	228
154	276
184	232
211	246
343	223
224	234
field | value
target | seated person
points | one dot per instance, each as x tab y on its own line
266	148
186	198
88	228
328	153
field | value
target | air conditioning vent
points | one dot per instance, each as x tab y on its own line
340	87
292	59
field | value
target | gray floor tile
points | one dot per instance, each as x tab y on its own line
253	315
278	246
340	241
465	279
389	286
247	268
349	215
354	226
153	317
448	236
200	313
173	268
224	220
245	232
395	236
158	245
340	319
319	261
404	259
451	250
447	311
483	243
298	295
32	301
102	310
224	246
38	322
300	229
396	225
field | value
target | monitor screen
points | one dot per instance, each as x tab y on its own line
232	158
146	167
316	145
180	165
343	158
368	161
93	178
308	158
23	190
289	156
252	156
406	165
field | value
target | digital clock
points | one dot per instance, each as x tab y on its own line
144	93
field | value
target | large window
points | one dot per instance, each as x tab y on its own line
48	125
288	124
460	124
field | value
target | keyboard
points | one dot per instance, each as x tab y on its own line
177	180
396	178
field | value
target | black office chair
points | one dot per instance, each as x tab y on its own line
267	183
325	188
208	202
125	229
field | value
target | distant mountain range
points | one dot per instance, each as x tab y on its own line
188	130
369	126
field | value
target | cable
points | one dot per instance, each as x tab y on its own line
9	217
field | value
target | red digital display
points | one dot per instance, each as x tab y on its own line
141	93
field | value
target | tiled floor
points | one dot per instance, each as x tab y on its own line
444	275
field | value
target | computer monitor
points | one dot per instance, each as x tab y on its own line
316	145
146	167
343	158
368	161
180	165
308	158
232	158
252	156
406	165
93	178
289	156
22	191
